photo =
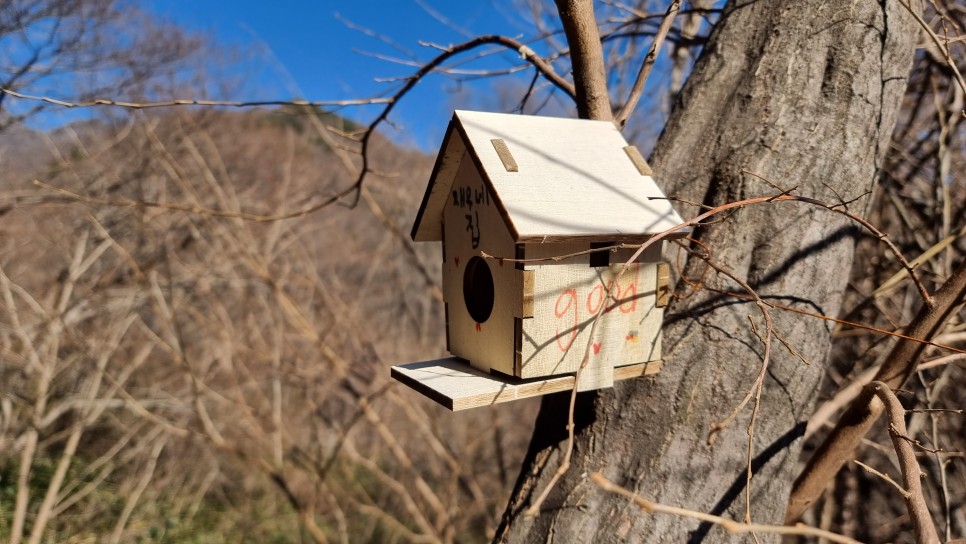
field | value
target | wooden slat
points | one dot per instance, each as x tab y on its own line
663	285
524	294
505	156
427	226
454	384
635	156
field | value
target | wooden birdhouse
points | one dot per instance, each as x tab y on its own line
519	203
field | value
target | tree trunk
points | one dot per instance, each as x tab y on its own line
804	94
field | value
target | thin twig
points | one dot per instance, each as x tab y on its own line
198	210
931	390
558	258
756	388
854	324
927	299
534	508
729	525
766	340
935	410
638	89
883	476
783	196
195	102
525	52
939	44
564	466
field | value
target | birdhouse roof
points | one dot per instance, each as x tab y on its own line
552	179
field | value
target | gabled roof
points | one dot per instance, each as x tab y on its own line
573	179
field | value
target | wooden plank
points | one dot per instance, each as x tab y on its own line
598	374
427	226
473	225
455	385
504	153
566	302
596	237
545	253
663	285
524	293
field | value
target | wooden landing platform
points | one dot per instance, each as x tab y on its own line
453	383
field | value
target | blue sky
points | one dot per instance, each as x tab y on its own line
307	49
327	50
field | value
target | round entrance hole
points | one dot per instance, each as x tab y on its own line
478	289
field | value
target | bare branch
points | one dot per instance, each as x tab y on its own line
194	102
885	477
862	412
911	473
881	236
525	52
587	58
648	64
256	218
729	525
940	44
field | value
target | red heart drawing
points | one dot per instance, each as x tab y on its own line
596	348
457	259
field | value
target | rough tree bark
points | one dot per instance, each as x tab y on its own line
802	93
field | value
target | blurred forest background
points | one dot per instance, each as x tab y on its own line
180	364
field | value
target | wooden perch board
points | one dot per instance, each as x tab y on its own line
453	383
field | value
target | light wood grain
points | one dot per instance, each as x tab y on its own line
434	201
487	345
572	179
663	285
456	385
558	184
505	156
598	374
566	299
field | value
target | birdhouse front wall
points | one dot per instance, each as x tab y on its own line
567	296
482	296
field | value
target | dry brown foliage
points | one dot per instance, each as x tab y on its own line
920	204
196	363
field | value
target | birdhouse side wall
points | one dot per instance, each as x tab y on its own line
472	225
567	297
